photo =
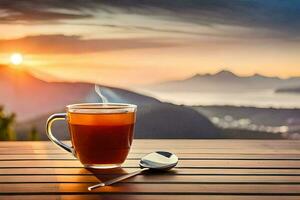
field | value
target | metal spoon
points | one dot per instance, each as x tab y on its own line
159	160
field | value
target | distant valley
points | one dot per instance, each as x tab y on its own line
292	90
276	122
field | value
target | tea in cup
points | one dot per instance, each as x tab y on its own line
101	134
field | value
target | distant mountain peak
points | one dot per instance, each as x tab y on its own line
260	76
225	73
220	74
198	75
257	74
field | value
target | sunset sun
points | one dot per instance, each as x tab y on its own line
16	59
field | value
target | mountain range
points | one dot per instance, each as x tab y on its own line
226	81
33	100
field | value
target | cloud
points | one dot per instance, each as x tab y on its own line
34	16
62	44
277	15
33	11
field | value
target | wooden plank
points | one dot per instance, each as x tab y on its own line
177	171
174	150
178	146
151	178
141	188
182	163
148	197
211	143
182	156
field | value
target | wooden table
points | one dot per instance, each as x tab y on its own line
208	169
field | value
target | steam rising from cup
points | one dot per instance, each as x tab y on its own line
102	97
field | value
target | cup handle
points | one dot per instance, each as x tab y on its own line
51	119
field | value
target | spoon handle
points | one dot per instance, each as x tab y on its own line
118	179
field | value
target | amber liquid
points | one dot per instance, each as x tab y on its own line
101	139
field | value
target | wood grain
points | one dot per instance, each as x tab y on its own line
152	179
142	188
182	156
208	169
177	171
182	164
96	196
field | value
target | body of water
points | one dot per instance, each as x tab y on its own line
263	98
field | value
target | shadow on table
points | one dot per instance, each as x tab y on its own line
107	174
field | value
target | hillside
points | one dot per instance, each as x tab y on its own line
29	97
154	118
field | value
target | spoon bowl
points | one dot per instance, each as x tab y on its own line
158	160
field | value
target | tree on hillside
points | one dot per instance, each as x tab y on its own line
6	125
33	134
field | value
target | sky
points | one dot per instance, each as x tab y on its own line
140	42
